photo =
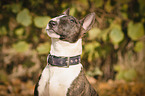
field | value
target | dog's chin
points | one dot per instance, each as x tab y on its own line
52	34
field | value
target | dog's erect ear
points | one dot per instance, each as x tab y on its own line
66	12
88	21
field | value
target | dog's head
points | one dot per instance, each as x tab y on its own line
68	28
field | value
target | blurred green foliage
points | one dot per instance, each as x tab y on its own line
125	74
119	30
135	31
24	17
20	46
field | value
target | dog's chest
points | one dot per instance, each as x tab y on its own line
60	79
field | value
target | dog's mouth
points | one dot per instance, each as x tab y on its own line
49	30
52	33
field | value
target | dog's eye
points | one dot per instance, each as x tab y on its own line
72	20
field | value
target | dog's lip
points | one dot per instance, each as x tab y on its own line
49	30
52	31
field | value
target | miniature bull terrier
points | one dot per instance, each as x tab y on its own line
63	74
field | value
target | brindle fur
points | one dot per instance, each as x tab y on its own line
81	87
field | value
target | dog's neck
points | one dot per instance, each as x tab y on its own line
63	48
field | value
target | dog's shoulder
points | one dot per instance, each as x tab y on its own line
81	87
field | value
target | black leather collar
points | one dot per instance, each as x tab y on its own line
63	61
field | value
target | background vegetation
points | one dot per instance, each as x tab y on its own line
113	50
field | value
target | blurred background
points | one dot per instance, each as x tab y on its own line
113	50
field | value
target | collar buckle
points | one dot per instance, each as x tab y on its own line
68	62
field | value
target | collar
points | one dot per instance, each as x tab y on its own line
63	61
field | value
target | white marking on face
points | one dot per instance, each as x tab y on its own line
50	32
57	18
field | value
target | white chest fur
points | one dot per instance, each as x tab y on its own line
57	80
63	48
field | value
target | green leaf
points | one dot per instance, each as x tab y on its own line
124	1
116	35
96	54
138	46
41	21
84	3
93	33
90	56
135	30
142	6
35	38
98	3
43	48
64	5
130	74
21	46
104	34
91	46
127	75
97	71
72	11
108	6
117	68
90	50
19	31
24	17
3	76
124	15
3	30
15	8
120	75
124	7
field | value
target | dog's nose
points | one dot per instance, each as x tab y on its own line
52	23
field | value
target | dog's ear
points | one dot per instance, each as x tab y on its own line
88	21
66	12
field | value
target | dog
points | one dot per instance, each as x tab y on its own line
63	74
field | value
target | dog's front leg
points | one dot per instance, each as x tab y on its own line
42	86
